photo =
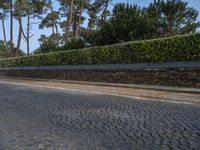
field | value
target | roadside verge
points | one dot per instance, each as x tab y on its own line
169	94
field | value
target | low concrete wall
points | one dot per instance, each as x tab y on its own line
135	66
183	74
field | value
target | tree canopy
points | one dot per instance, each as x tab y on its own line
84	23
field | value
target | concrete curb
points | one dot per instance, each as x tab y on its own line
144	87
180	65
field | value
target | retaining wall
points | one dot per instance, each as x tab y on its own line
183	74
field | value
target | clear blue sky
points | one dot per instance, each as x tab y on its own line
37	32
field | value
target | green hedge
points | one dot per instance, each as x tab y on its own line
178	48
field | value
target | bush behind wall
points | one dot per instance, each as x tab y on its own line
178	48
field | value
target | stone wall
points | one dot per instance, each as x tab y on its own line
183	77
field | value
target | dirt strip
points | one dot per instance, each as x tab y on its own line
190	98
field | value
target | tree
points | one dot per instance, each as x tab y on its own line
80	11
11	23
46	45
70	19
81	6
130	22
33	9
19	7
3	16
102	7
51	20
172	17
127	23
3	50
99	7
6	52
93	19
72	11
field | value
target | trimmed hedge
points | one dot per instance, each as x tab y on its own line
178	48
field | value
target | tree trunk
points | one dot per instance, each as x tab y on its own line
11	26
4	31
75	21
53	23
19	34
28	34
70	20
79	20
56	28
104	11
53	34
57	36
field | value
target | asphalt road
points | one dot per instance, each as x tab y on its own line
35	118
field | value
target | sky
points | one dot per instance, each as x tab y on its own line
37	32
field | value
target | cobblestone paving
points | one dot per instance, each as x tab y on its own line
37	118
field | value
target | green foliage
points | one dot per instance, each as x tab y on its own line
161	19
127	23
90	36
98	11
3	52
49	20
6	52
171	17
47	46
74	44
178	48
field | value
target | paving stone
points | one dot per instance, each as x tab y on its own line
38	118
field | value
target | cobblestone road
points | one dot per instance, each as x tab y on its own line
34	118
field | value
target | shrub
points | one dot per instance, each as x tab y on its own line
74	44
47	46
178	48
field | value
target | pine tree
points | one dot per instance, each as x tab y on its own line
70	19
51	21
33	9
3	16
172	17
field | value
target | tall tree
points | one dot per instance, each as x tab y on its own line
64	10
98	12
83	4
172	17
72	11
3	16
51	20
126	23
105	12
11	23
33	9
18	6
102	7
70	19
27	36
93	18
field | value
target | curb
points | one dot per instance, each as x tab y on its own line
179	65
144	87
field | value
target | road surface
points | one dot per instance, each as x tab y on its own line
36	118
